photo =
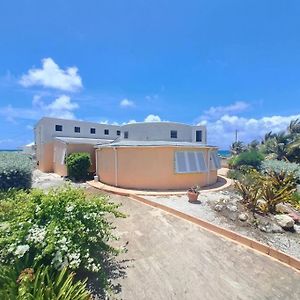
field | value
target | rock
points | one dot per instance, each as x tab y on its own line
232	208
295	217
276	228
282	208
297	228
243	217
285	221
218	207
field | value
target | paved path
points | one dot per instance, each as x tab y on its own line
175	259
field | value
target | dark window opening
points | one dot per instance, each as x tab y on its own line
93	130
125	134
106	131
77	129
118	132
58	128
198	135
173	134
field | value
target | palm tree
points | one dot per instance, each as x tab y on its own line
237	148
294	127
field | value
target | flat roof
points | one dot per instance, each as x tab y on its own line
74	140
129	143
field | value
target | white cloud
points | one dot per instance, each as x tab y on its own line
152	118
126	103
215	112
62	103
52	76
61	107
221	132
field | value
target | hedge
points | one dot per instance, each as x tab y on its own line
78	164
248	158
15	170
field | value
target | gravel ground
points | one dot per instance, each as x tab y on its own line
47	181
288	242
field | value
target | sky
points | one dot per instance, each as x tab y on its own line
232	65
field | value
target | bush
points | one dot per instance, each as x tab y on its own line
280	167
248	158
15	171
234	174
42	284
61	228
78	165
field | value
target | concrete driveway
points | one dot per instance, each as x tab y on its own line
175	259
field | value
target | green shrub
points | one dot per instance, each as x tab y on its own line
295	200
281	167
61	228
78	165
15	171
42	284
234	174
248	158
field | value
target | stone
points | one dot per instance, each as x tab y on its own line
295	217
297	228
276	228
282	208
243	217
232	208
218	207
285	221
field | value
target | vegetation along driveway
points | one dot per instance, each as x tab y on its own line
170	258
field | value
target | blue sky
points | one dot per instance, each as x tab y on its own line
228	64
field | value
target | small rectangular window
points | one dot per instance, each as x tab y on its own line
125	134
58	128
173	134
118	132
76	129
198	135
106	131
93	130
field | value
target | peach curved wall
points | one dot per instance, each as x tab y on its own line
147	168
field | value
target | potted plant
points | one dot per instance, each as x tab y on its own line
193	193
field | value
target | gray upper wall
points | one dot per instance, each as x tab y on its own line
161	131
156	131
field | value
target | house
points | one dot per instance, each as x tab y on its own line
56	138
158	156
154	156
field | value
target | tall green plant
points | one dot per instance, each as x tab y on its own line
78	165
42	284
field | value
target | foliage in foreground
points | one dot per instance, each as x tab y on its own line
253	186
251	159
61	228
42	284
78	164
15	170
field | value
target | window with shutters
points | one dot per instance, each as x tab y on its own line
214	161
190	162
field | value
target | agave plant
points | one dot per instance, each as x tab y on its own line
42	284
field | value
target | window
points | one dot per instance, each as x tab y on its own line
190	162
173	134
76	129
198	135
58	128
93	130
125	134
106	131
118	132
214	161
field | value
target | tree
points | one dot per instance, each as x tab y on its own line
237	147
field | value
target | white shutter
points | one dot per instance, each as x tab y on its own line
190	162
214	161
